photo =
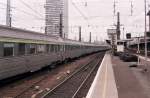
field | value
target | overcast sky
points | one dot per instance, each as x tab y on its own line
97	16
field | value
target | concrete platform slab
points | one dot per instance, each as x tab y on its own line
104	85
128	84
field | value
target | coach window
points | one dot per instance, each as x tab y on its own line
8	49
21	48
32	48
69	47
40	48
64	48
47	48
55	48
58	48
52	48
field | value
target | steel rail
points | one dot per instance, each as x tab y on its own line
93	69
77	71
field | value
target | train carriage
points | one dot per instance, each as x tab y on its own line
24	51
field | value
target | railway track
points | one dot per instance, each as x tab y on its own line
44	77
85	86
71	86
30	84
30	87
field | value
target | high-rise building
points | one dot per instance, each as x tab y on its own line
56	18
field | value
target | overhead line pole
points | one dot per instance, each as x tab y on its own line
80	31
145	35
131	8
8	14
118	26
114	7
61	25
84	17
149	19
90	41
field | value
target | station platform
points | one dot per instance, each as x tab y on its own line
115	79
104	85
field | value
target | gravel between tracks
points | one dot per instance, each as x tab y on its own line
68	88
51	79
82	92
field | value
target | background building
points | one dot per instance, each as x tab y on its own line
56	17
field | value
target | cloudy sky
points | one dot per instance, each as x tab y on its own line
94	16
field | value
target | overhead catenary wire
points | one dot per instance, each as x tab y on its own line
37	17
132	8
15	18
82	14
33	10
114	5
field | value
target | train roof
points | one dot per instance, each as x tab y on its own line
12	34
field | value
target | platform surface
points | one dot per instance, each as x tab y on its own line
115	79
128	83
104	85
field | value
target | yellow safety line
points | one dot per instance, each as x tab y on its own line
105	83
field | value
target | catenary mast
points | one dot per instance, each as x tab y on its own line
8	14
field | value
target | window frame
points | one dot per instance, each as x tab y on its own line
38	46
25	50
35	46
13	51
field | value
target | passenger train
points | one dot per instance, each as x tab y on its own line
23	51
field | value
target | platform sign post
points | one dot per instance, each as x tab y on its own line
112	34
145	35
138	51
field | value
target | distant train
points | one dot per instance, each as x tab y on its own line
24	51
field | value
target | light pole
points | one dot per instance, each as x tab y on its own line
8	13
138	52
149	19
123	33
80	31
145	35
61	25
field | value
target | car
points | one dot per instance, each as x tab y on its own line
127	57
117	53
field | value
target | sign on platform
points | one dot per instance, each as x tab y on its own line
112	35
